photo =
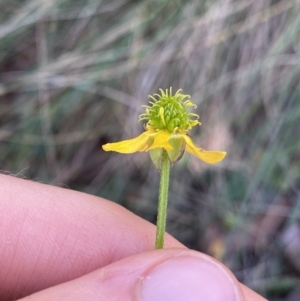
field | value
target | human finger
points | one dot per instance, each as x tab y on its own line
50	235
169	274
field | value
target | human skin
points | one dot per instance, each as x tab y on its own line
59	244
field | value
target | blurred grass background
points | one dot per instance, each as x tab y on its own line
75	73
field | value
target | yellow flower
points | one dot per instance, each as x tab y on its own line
166	129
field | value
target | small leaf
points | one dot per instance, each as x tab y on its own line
178	143
156	157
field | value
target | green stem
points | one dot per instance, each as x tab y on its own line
163	201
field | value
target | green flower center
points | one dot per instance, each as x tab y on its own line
170	112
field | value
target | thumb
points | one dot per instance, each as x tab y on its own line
164	275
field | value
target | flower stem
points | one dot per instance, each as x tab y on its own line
163	201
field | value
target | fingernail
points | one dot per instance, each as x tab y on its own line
190	279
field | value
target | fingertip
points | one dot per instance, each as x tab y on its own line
190	276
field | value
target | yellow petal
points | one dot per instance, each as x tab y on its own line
211	157
161	141
129	146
